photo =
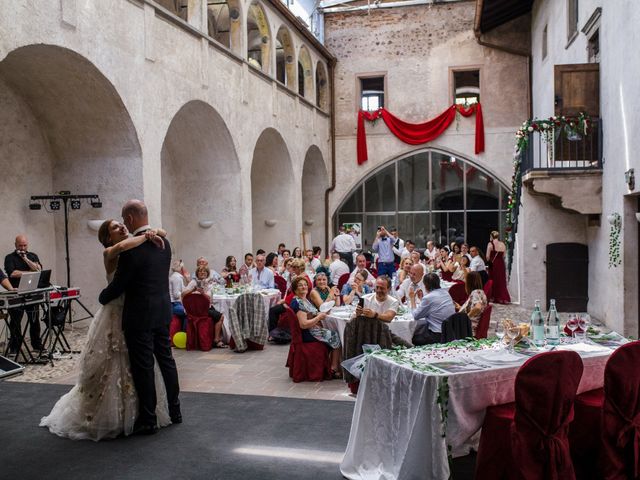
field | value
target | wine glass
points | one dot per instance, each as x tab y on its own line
583	322
572	324
500	333
512	333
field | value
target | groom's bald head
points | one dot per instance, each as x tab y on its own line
135	214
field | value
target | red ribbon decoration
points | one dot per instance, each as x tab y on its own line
419	133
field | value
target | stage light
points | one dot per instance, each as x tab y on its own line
75	204
35	206
96	203
54	205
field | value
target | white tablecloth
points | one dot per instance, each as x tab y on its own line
402	325
223	302
397	426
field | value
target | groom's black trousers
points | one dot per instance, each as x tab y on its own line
143	345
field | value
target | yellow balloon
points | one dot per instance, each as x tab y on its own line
180	340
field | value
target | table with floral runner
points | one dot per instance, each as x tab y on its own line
418	408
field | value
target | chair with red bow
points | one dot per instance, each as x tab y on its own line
174	327
306	361
528	439
488	289
199	324
281	284
605	435
447	276
458	293
344	278
483	324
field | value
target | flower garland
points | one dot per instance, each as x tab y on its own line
614	240
550	129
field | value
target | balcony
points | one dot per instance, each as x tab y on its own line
568	169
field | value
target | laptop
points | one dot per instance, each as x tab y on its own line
45	279
28	282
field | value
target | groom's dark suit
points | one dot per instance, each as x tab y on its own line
143	276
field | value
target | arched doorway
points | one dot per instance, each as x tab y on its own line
314	184
258	38
63	127
200	185
428	195
272	193
305	73
285	58
223	23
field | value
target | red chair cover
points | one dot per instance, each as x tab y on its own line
458	293
488	289
344	278
536	446
585	434
621	414
199	324
306	361
483	324
174	327
447	276
281	284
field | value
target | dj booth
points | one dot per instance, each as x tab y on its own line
54	304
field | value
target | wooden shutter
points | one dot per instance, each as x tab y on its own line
577	89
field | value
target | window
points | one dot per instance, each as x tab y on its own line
572	19
544	42
593	48
466	87
371	93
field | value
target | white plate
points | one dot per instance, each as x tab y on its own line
584	348
500	357
326	306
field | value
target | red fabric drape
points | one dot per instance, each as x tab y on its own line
419	133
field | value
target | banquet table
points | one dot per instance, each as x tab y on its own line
403	325
224	301
417	406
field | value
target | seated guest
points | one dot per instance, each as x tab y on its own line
286	255
213	276
409	247
298	270
461	268
203	285
4	281
431	252
310	321
354	291
230	272
281	248
260	252
261	276
416	258
403	271
380	304
316	262
413	283
464	250
361	266
337	268
246	266
436	306
455	254
478	263
477	301
441	260
286	271
322	292
271	262
297	253
176	285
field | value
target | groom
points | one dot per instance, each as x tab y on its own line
143	275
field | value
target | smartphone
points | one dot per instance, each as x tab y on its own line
361	302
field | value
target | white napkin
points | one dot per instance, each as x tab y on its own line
500	356
584	348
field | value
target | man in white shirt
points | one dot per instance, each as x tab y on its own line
414	282
361	264
337	268
261	276
345	245
431	252
316	262
409	247
477	264
379	305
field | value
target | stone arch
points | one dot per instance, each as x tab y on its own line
258	37
322	86
272	193
315	182
224	23
305	73
200	184
285	57
64	127
179	8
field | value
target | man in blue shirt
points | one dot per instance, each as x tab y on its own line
436	306
383	245
261	276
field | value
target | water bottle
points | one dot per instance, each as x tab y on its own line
553	324
537	325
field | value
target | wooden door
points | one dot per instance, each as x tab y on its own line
577	89
568	276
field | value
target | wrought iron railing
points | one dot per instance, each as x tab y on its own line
564	151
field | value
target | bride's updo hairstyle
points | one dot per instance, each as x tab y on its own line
104	233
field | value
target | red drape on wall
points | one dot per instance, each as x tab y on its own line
419	133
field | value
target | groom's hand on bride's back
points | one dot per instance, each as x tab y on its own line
155	239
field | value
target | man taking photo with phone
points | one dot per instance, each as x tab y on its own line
383	245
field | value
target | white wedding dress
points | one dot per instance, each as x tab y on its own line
103	403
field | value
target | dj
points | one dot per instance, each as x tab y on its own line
15	264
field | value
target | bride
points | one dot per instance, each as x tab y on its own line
103	403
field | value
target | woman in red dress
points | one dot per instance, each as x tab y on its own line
497	271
